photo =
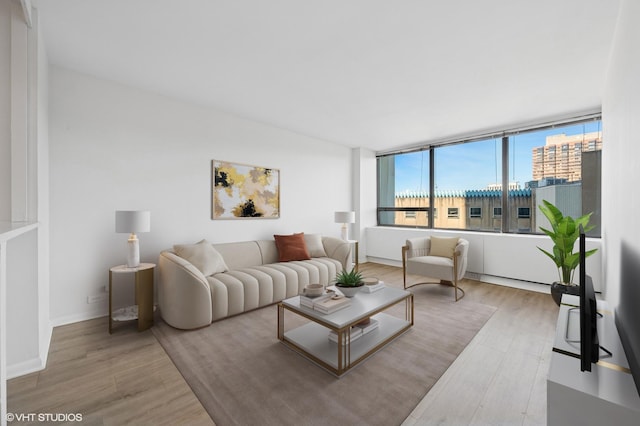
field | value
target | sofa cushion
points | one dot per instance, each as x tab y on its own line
314	245
240	254
203	256
443	247
291	247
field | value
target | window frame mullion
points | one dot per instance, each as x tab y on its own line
506	217
432	186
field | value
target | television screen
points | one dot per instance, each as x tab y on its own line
589	346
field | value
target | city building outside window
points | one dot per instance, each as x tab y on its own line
557	163
524	212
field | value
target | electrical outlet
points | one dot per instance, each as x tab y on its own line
96	298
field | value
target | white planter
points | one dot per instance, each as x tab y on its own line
349	291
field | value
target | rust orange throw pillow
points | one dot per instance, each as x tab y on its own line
291	247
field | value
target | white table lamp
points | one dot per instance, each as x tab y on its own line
130	222
344	218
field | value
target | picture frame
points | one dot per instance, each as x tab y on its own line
243	191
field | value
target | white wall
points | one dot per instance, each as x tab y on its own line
41	130
620	174
5	111
25	329
22	309
514	257
114	147
364	196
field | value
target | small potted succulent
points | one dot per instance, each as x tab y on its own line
349	282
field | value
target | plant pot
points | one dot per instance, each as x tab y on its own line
349	291
558	289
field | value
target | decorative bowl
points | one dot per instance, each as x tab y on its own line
313	290
370	281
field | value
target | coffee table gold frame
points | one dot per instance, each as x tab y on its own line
344	352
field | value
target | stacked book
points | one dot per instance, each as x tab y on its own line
370	288
369	327
325	304
310	301
331	304
357	331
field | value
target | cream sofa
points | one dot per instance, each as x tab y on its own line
238	277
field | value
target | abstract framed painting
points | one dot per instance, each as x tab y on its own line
242	191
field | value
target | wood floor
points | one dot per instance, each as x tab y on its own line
121	379
127	378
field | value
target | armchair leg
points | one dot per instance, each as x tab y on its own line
455	278
404	266
456	289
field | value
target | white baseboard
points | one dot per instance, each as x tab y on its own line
25	367
507	282
40	362
510	282
70	319
34	364
45	344
383	261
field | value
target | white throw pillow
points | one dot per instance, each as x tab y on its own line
314	245
203	256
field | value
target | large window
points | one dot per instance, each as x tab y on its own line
571	182
559	163
468	177
403	189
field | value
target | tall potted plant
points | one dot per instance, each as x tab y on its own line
564	232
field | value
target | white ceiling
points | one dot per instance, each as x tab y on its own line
371	73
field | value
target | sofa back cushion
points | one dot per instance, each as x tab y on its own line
240	255
269	251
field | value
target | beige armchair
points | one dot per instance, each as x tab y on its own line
435	257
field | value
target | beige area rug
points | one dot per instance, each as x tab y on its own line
243	375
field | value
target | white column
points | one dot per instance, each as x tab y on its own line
3	332
19	115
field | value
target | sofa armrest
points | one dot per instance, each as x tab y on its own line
339	250
184	294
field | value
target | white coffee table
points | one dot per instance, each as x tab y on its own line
311	340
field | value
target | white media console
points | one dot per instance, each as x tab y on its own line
605	396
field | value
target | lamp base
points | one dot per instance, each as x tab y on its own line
133	253
344	233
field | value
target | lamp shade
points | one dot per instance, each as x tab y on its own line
128	221
345	217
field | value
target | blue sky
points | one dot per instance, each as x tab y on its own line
476	165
